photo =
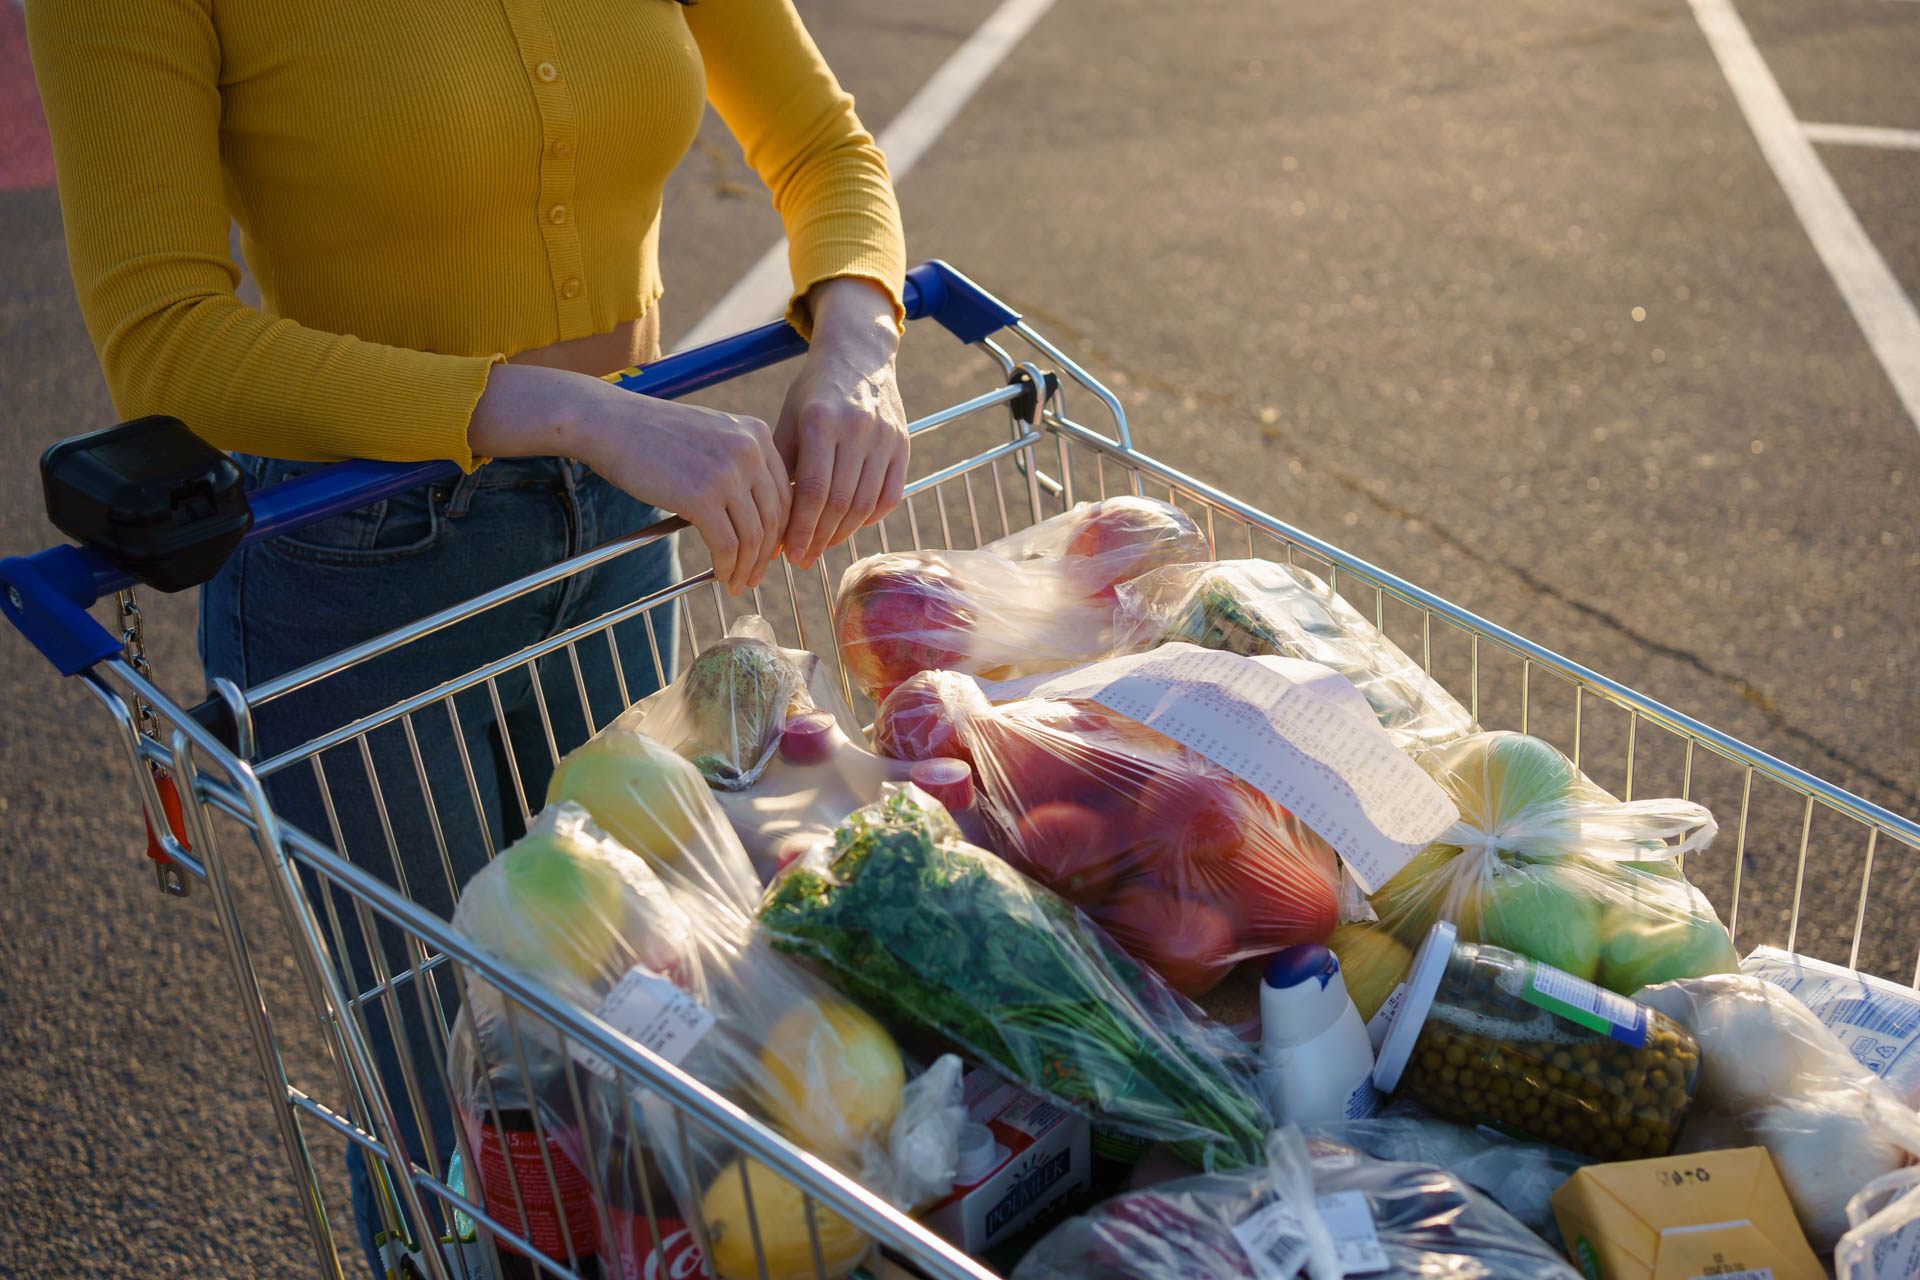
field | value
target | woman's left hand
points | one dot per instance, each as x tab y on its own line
842	430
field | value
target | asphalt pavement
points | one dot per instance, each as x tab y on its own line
1500	295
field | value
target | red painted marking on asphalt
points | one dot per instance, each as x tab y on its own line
26	156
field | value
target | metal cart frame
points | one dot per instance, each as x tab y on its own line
197	767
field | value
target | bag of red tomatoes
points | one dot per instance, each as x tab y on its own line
1188	867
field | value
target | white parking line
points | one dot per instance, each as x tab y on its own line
760	294
1864	135
1885	314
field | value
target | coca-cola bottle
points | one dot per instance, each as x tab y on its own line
634	1250
561	1218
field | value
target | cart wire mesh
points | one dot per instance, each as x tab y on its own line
1810	866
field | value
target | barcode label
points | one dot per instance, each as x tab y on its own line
1276	1243
1591	1007
1273	1239
1750	1273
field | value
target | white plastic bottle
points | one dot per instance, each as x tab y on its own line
1316	1062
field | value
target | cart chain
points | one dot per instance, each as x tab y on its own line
133	646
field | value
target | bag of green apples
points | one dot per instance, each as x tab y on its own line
1034	601
1546	863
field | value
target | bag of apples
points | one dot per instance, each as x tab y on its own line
1545	862
1188	867
1035	601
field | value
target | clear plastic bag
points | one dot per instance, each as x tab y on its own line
1519	1176
1294	1211
1187	866
655	803
932	933
726	711
1883	1238
1545	863
1253	607
1100	545
1772	1075
1037	601
690	976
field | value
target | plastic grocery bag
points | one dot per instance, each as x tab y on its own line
1883	1240
1253	607
1545	863
1773	1075
1187	866
1037	601
654	802
1100	545
1312	1198
1518	1175
725	713
906	918
688	976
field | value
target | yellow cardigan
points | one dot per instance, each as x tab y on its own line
423	187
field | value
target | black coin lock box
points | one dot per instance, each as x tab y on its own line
160	502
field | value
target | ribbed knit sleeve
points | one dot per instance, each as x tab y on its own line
132	99
797	126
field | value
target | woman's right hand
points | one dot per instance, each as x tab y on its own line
718	470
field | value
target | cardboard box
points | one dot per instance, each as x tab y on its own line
1714	1215
1040	1158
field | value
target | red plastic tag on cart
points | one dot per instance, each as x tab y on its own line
176	819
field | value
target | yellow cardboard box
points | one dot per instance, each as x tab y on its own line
1709	1215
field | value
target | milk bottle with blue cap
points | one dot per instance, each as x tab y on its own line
1316	1062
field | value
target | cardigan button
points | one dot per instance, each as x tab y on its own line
562	149
557	214
547	72
570	288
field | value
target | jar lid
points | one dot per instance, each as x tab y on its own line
947	780
807	738
1429	965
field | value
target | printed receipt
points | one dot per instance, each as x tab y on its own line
1298	731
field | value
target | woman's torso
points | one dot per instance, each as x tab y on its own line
462	176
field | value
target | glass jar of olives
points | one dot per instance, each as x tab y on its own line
1487	1036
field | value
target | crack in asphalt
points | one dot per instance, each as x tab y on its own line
1273	435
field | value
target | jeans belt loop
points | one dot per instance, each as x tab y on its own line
463	492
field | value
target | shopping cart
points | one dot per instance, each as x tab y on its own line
198	773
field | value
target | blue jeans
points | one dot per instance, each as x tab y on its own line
425	827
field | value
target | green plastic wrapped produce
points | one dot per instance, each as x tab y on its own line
909	920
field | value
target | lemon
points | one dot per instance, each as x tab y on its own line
779	1213
832	1077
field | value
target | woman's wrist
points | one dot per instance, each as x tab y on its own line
853	313
533	411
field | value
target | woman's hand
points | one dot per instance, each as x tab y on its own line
842	430
719	470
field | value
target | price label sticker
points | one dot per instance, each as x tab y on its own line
653	1011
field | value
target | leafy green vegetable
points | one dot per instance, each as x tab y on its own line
913	922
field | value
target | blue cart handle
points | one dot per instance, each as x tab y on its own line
46	595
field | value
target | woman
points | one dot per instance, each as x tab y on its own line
452	208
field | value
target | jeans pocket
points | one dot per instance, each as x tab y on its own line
396	528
